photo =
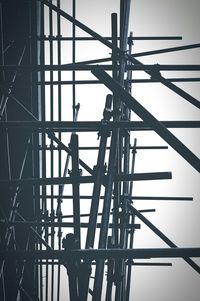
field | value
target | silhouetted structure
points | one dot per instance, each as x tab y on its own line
35	245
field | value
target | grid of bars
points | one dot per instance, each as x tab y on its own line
78	208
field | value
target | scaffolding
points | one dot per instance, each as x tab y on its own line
68	209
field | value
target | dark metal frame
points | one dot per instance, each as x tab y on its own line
43	217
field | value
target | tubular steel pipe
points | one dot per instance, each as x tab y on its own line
147	198
95	254
50	293
120	270
154	69
105	215
74	58
75	186
60	224
131	236
93	126
137	81
38	147
166	50
89	179
41	116
116	116
136	38
99	172
61	188
98	181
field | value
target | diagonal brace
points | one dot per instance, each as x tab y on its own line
147	117
163	237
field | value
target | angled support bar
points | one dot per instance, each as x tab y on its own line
164	237
166	50
135	106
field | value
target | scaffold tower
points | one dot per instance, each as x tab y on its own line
99	150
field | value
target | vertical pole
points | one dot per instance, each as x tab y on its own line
110	268
116	112
73	267
74	57
33	52
99	172
131	236
59	209
120	268
76	197
124	23
41	117
105	215
51	96
44	281
114	238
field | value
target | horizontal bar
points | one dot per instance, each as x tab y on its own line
83	67
136	38
60	224
147	210
94	254
144	176
147	198
135	81
143	263
39	147
173	79
50	262
88	179
93	126
99	214
161	198
154	264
